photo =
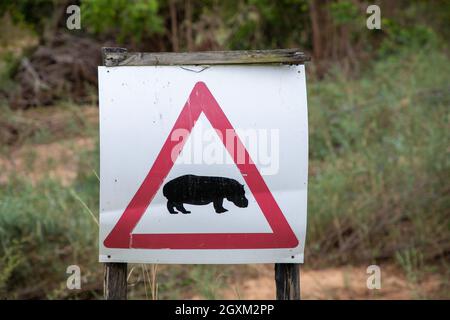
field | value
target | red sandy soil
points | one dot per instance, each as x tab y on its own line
334	283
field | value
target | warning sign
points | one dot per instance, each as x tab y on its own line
206	166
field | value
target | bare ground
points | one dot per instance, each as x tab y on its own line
347	282
56	160
59	157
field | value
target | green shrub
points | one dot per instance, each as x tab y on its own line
379	161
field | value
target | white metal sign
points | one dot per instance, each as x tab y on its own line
203	165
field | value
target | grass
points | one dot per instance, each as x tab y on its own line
379	162
378	190
48	230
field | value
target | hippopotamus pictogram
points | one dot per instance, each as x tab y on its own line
202	190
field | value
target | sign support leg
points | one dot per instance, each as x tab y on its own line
287	280
115	281
115	274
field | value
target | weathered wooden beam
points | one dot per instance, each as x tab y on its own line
114	57
287	281
115	281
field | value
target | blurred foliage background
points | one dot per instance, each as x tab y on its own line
379	188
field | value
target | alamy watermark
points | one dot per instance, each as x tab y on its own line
374	278
73	21
74	280
262	144
374	20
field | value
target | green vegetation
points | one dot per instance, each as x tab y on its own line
121	18
44	228
379	155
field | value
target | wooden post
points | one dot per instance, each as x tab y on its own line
115	281
287	280
115	274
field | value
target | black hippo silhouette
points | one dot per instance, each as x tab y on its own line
199	190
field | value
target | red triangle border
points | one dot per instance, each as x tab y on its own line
201	100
